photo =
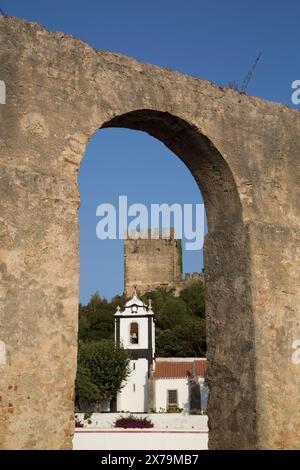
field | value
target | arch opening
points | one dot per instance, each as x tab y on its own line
230	329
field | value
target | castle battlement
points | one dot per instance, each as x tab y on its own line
150	234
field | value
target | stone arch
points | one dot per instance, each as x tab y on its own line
200	155
228	291
242	151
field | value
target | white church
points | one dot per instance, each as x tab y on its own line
155	384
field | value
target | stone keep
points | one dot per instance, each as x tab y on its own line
150	263
244	155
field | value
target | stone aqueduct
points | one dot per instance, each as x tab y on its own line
244	154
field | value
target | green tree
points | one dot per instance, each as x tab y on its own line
194	297
85	389
191	335
167	344
180	321
173	311
101	370
159	297
96	319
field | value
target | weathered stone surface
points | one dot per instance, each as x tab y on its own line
151	263
244	154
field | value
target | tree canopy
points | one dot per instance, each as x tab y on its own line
180	321
102	368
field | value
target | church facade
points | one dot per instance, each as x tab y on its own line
155	384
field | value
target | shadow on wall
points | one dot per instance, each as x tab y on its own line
204	397
146	392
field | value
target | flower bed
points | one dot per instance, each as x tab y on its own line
129	422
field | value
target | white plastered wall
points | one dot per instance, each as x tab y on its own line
134	395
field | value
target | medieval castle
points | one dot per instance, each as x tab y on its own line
150	263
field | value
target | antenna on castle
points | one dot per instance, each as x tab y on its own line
250	74
2	13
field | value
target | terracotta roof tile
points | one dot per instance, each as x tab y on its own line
180	369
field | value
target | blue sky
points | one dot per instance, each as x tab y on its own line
216	40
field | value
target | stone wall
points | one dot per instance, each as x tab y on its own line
151	263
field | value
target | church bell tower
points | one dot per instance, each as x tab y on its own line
135	331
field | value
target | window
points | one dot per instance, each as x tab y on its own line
133	366
172	398
134	333
134	387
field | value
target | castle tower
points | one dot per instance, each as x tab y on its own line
150	263
135	331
